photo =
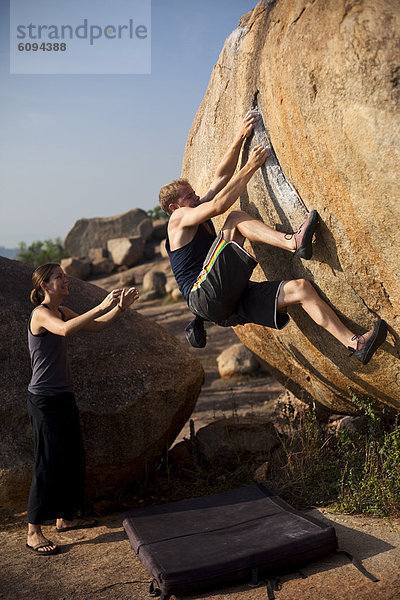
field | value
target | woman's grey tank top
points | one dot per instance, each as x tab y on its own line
51	373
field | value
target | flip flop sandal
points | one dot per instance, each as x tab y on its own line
36	549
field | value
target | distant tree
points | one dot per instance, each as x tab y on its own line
39	253
157	213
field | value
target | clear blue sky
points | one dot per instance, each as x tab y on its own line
75	146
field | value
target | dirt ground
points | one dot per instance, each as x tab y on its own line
99	563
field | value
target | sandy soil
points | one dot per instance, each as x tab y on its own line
99	563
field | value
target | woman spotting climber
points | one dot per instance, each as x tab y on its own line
58	482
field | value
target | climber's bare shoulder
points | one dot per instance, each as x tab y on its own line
182	227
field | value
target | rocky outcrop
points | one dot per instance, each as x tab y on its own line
135	385
325	77
94	233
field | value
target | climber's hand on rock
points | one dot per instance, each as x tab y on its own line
248	123
258	156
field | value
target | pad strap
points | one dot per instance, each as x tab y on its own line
358	565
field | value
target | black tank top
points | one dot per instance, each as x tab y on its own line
51	373
187	262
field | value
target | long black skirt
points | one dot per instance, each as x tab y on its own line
57	489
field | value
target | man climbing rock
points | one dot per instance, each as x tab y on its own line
213	271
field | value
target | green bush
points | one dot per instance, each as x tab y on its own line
39	253
351	471
371	484
157	213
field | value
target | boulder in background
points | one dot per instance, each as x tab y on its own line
127	251
95	232
77	267
237	360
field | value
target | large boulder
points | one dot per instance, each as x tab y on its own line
135	385
94	233
325	77
127	251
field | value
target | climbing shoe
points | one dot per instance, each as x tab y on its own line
304	236
196	335
369	342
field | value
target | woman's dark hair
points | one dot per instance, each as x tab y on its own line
40	275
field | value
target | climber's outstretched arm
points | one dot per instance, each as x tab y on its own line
227	166
187	217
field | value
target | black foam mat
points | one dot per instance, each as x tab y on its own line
214	540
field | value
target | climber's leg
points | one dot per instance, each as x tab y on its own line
301	291
239	225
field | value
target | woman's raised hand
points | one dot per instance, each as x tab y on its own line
110	300
128	297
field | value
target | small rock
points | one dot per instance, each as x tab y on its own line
77	267
351	424
96	254
176	294
154	281
149	251
127	279
104	266
238	439
151	295
126	251
163	249
170	285
159	229
288	406
237	360
180	456
261	474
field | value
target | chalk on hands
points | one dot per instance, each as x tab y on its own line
253	113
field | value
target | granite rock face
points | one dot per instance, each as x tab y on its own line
94	233
135	386
325	77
